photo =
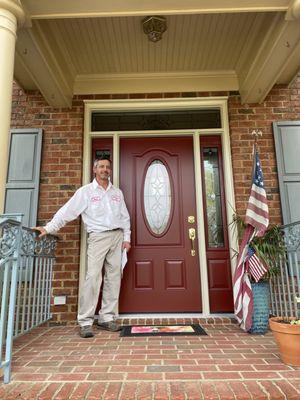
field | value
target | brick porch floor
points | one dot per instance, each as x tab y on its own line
55	363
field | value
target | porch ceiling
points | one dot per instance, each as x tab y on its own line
75	47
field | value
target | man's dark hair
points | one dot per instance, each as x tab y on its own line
101	158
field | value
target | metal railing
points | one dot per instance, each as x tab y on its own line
25	284
285	287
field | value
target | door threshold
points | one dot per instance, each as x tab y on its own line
176	315
176	319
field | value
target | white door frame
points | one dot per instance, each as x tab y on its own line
166	104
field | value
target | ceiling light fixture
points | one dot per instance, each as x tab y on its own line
154	27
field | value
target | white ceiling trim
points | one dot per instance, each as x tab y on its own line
156	82
95	8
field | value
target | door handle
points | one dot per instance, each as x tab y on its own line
192	236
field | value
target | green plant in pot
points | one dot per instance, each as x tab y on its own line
269	249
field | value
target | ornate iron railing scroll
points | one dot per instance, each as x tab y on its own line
25	284
285	287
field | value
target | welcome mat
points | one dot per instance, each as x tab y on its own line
162	330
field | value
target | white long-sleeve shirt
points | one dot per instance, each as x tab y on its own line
101	210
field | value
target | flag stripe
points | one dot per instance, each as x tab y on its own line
258	223
258	193
257	212
242	287
256	268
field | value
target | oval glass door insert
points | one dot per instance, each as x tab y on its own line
157	197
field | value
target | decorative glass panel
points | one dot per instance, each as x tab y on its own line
157	197
102	153
155	120
213	198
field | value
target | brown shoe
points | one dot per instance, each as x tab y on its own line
86	331
109	326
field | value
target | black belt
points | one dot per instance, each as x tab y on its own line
108	230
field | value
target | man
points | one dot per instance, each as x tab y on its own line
107	222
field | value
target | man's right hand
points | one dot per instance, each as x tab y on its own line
42	231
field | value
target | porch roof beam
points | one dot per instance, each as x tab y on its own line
154	82
94	8
38	67
277	58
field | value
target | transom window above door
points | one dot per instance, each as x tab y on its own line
155	120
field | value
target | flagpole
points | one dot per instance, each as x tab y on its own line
256	133
257	221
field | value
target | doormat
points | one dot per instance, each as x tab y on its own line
162	330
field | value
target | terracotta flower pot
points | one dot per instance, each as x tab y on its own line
288	339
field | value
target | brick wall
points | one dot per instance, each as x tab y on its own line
282	104
62	162
60	176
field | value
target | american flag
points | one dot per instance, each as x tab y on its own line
257	219
257	213
256	268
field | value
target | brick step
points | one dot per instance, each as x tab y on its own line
176	320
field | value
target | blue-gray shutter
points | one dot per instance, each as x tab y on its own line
287	143
22	184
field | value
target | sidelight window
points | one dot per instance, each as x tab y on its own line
213	197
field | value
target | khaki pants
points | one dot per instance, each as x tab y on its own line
104	248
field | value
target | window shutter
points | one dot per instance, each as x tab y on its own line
22	184
287	142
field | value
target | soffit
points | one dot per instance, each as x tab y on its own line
191	43
78	50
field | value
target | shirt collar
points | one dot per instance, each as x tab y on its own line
96	185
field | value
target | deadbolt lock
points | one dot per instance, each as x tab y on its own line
191	219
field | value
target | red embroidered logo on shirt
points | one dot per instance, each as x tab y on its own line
95	199
115	198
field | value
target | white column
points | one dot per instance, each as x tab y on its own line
10	14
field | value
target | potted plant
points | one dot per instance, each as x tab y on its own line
286	331
269	249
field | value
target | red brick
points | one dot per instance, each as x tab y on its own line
49	391
255	389
67	377
144	376
208	391
273	390
30	377
145	391
260	375
112	391
128	391
161	390
65	391
177	391
105	377
80	391
288	389
96	391
224	391
221	375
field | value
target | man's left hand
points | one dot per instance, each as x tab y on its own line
126	245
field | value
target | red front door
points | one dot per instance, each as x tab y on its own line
157	179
